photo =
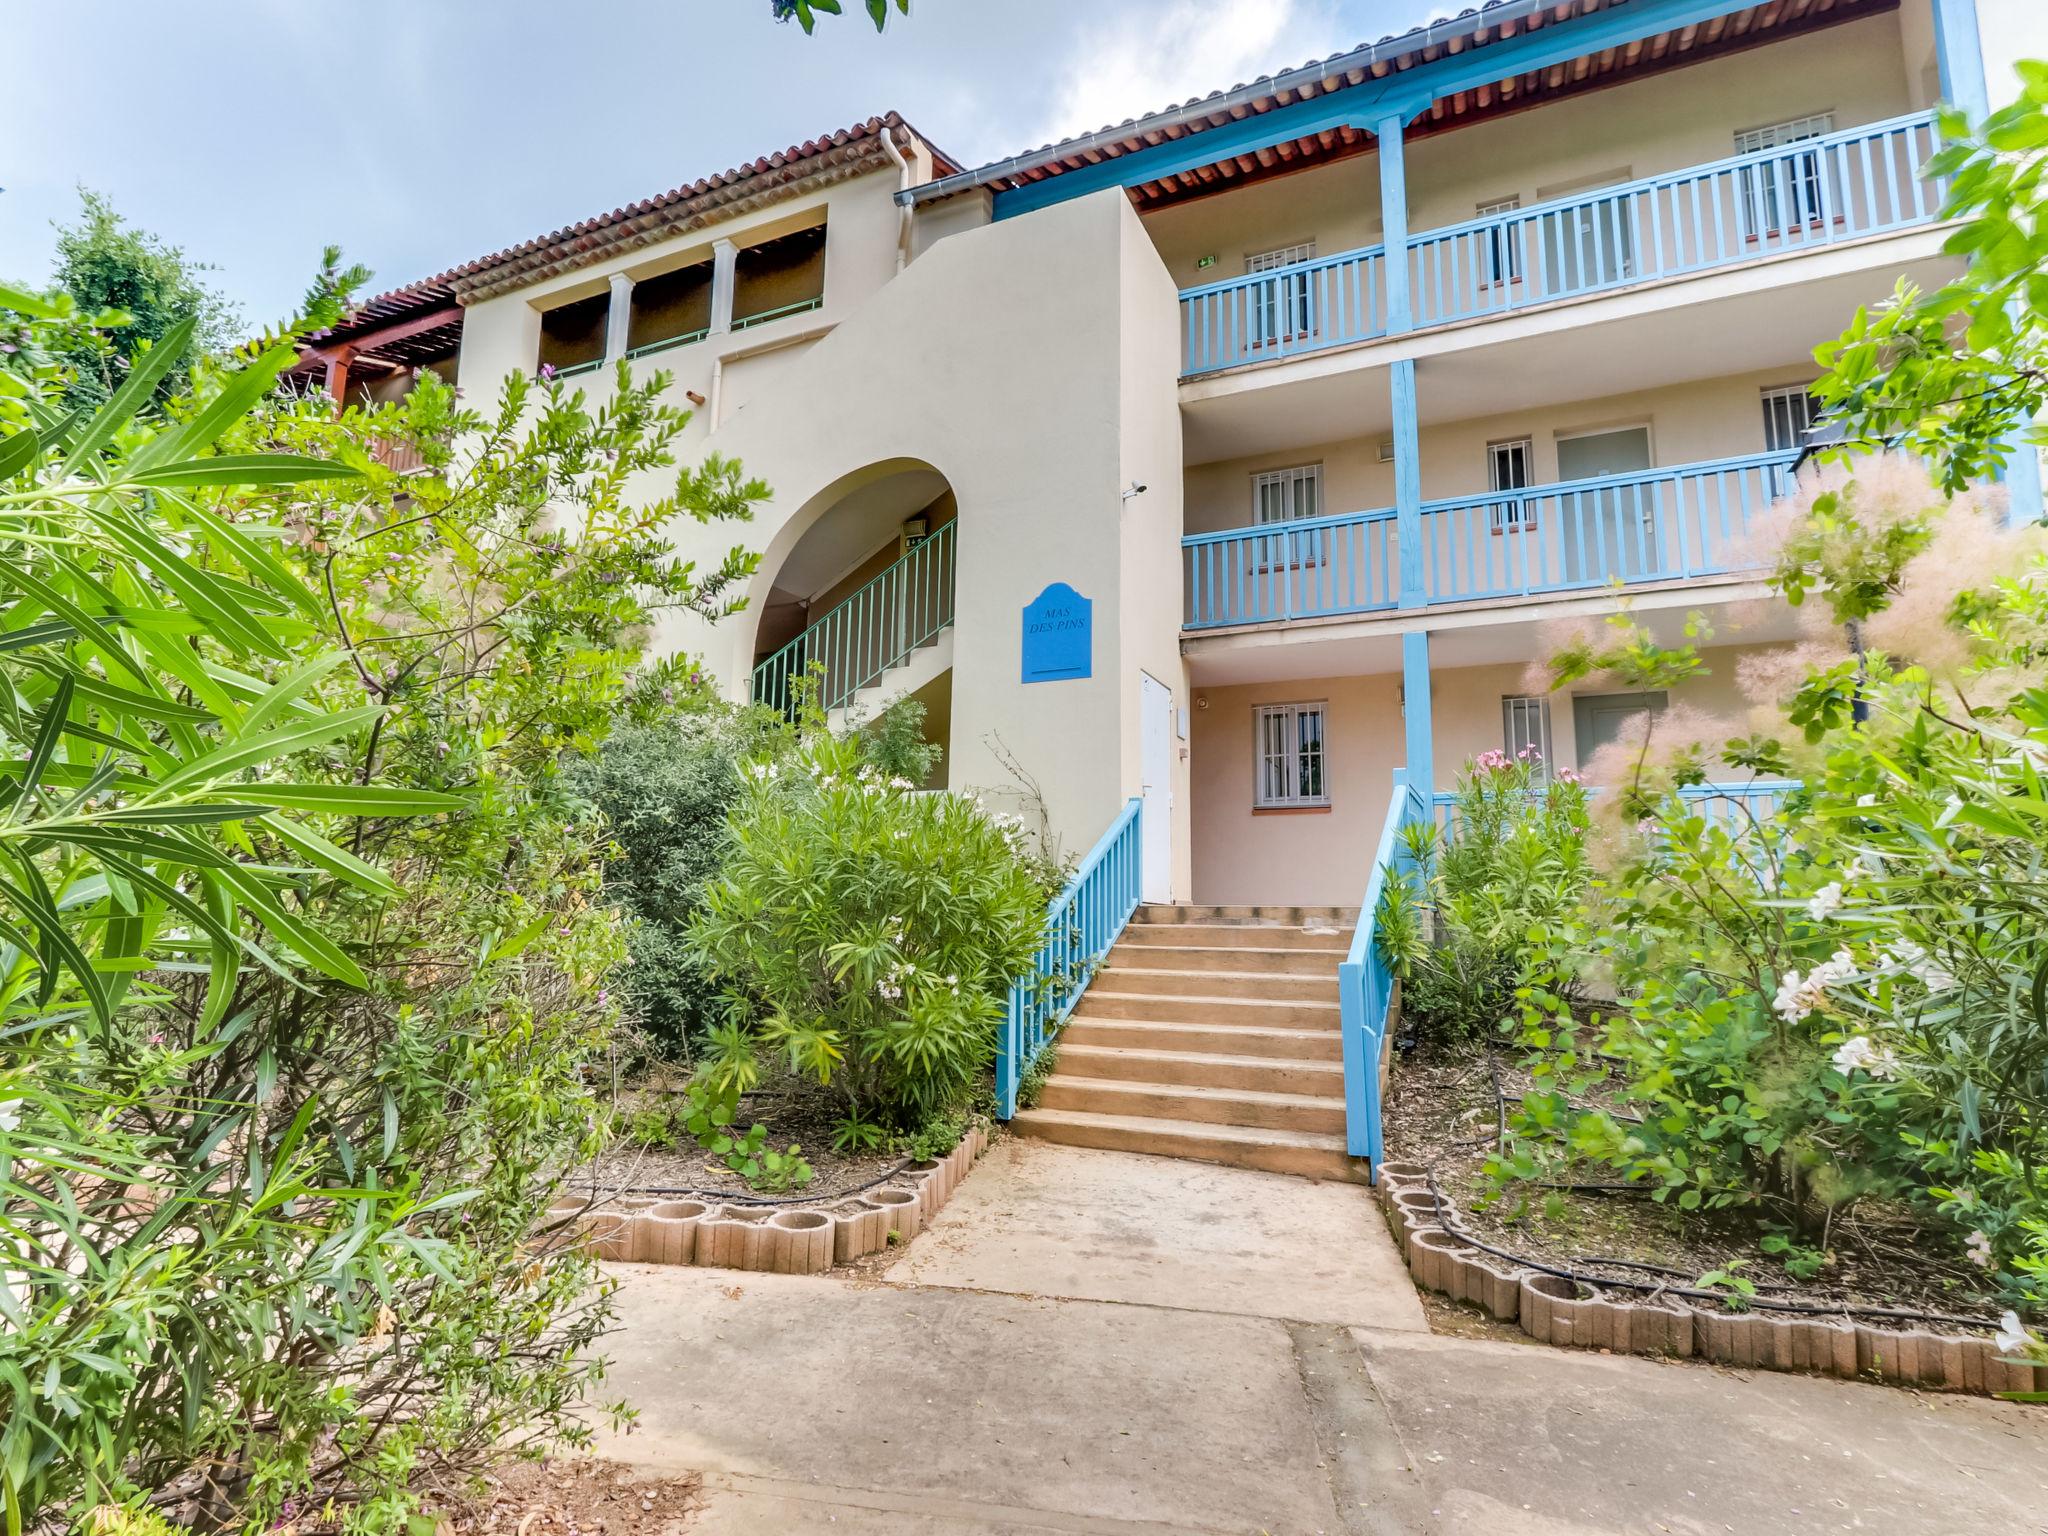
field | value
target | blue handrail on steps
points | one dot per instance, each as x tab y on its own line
1082	923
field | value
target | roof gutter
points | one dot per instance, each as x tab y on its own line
1431	36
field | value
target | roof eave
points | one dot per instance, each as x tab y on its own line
1386	51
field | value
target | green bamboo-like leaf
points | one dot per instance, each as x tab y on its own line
18	451
142	378
197	588
349	799
247	751
45	746
23	302
280	696
48	632
127	701
89	628
312	946
237	398
182	815
254	556
130	841
244	469
336	861
32	899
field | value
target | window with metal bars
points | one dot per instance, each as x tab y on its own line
1507	469
1503	251
1525	727
1290	769
1787	190
1789	415
1282	307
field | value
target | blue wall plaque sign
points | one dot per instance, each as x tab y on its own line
1059	635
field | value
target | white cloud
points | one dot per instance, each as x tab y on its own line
1142	61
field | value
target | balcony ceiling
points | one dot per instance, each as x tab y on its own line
1720	326
1494	22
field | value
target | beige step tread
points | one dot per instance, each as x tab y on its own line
1223	1039
1244	1108
1226	957
1255	986
1200	1000
1314	1154
1208	1069
1228	936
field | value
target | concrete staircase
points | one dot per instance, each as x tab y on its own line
1211	1033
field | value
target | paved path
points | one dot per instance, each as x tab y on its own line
1099	1343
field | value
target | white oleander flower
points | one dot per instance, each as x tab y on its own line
1921	966
2013	1337
1978	1247
1866	801
1826	902
1858	1054
1799	995
10	1115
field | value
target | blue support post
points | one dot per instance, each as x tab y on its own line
1959	53
2023	481
1394	221
1407	483
1418	712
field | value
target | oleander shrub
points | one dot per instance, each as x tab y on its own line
1455	924
1841	998
304	981
867	933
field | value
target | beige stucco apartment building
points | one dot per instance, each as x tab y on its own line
1238	456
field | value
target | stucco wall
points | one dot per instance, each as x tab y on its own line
2011	30
1687	116
1321	856
1030	363
1714	418
502	335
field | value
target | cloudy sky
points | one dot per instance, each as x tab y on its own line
421	133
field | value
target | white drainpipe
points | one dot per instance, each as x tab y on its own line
904	212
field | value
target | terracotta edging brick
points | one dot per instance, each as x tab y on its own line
794	1239
1579	1315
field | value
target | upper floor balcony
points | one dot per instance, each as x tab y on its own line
1675	524
1802	194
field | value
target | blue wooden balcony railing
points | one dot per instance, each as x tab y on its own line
1081	925
1799	196
1655	525
1301	308
876	628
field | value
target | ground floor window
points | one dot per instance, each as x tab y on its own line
1290	770
1525	727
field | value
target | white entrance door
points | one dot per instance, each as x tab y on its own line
1155	746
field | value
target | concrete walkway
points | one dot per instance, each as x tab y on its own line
1094	1342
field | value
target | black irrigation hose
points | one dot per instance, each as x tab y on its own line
1577	1277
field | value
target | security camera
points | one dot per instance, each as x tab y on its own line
1137	489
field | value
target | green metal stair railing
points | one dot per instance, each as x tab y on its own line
875	629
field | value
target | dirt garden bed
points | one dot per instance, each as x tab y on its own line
1615	1269
794	1110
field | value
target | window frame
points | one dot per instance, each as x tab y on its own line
1503	256
1300	549
1266	305
1758	195
1786	395
1516	709
1520	515
1290	754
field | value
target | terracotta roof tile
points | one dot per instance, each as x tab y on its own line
634	224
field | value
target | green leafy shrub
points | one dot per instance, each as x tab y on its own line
239	689
1514	858
866	932
1844	998
664	790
